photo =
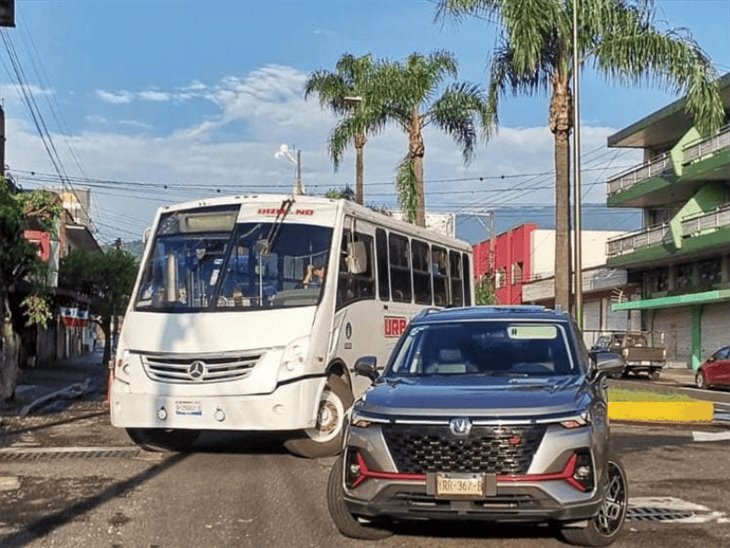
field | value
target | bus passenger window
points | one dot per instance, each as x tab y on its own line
421	272
400	268
440	271
353	285
457	288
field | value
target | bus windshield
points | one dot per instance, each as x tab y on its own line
254	265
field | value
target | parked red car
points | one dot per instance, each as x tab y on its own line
715	371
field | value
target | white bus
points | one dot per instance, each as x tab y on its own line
222	333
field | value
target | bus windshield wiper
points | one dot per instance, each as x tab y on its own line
266	245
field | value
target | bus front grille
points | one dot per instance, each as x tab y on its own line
202	369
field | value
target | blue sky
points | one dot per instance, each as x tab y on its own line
200	94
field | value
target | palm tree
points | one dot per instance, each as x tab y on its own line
458	112
354	93
619	39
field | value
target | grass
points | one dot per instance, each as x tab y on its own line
628	394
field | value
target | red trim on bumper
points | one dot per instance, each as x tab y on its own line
566	474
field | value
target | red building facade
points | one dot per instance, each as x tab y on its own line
511	261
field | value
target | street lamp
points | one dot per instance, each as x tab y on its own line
284	152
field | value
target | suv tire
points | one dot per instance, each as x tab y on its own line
346	523
603	529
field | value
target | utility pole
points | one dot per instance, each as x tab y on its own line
7	19
577	239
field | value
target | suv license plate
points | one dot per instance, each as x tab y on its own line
460	486
189	407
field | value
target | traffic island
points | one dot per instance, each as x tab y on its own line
647	406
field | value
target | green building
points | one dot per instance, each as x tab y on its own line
681	257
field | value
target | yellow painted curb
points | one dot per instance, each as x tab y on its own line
661	411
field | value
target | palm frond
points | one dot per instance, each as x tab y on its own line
459	112
406	186
633	51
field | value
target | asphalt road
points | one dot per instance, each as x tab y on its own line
244	490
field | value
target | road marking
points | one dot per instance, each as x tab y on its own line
687	512
710	436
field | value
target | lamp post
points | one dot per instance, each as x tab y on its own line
284	152
577	238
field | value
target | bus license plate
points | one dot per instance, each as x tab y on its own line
188	407
460	485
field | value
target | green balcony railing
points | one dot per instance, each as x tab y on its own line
698	149
637	174
628	243
704	222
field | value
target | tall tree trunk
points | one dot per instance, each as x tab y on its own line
359	169
416	150
9	368
561	123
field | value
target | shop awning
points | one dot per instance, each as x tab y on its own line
688	299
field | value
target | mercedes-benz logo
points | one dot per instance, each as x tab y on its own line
460	426
196	370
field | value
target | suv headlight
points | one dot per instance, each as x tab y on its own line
582	419
293	360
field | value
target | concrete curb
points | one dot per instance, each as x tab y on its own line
655	411
72	391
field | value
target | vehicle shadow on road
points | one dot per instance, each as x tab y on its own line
41	527
233	442
76	418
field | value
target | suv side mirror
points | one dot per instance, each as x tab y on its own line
607	362
365	366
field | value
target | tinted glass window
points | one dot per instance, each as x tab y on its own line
455	270
381	245
421	272
440	266
400	268
467	280
355	283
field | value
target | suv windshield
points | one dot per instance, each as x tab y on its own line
242	267
483	348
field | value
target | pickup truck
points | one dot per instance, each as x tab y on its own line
633	346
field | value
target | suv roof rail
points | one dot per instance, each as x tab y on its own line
516	308
426	312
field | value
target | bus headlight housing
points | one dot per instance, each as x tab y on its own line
293	361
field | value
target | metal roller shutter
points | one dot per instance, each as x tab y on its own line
676	324
715	328
616	321
591	321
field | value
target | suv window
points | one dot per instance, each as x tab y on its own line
485	348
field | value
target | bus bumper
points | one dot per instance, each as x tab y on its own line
291	406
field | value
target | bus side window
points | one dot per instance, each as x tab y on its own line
400	268
467	280
381	245
421	272
355	287
440	272
457	288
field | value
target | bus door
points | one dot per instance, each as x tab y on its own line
358	316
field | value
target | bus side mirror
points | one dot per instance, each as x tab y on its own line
146	235
366	367
357	258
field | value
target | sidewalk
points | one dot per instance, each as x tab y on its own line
37	382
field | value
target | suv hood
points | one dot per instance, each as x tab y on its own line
476	396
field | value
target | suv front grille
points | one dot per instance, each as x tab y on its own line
192	369
502	450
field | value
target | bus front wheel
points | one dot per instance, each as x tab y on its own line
162	439
324	439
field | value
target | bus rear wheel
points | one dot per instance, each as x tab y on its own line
324	439
162	439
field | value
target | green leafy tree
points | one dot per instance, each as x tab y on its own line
484	290
619	39
21	266
417	98
107	278
355	94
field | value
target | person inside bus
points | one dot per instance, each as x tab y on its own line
314	276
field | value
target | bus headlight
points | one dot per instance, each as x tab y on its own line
293	360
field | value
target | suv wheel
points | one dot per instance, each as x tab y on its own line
325	438
603	529
346	523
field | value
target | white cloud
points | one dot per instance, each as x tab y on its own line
153	95
13	92
233	151
115	97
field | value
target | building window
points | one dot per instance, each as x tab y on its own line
684	277
709	272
